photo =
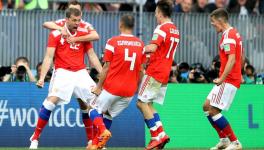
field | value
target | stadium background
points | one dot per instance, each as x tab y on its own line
21	34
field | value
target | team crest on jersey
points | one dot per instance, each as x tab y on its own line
227	47
155	37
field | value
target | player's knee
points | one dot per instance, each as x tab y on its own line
213	111
83	105
139	104
206	105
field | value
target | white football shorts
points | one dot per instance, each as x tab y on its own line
222	96
151	90
114	105
65	83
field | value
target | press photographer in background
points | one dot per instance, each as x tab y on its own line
197	73
20	72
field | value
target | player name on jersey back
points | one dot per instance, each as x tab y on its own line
129	43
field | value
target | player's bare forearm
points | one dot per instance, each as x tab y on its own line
229	65
47	62
94	60
93	36
103	74
52	25
150	48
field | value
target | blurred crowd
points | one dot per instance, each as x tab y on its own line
242	7
197	73
182	72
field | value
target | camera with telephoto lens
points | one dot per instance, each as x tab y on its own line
21	72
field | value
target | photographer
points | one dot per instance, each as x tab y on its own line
20	72
196	74
213	72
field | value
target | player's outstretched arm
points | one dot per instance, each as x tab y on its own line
151	48
102	75
52	25
46	65
92	36
94	60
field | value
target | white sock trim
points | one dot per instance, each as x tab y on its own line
216	117
153	128
206	113
49	105
158	124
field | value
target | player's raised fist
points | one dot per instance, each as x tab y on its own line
40	83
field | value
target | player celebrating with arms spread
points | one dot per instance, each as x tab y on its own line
154	84
119	79
70	75
222	94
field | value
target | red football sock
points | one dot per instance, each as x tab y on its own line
88	124
220	133
230	133
98	122
40	125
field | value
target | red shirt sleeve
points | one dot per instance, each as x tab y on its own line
109	50
60	22
88	46
158	36
52	41
230	44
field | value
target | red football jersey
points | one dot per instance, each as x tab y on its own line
231	43
125	54
68	56
82	26
166	36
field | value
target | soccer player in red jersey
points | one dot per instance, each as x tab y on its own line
119	79
92	36
153	87
59	25
70	75
221	96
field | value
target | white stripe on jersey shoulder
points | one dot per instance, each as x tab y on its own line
87	24
160	32
60	20
82	29
226	32
229	41
110	48
56	33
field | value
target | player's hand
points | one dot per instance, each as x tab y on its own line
71	40
217	81
64	32
96	91
40	83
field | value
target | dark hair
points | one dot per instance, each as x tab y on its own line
251	68
74	3
165	7
22	58
220	13
72	11
128	21
38	65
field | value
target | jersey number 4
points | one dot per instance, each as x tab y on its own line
131	59
173	42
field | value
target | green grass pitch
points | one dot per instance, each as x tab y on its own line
83	148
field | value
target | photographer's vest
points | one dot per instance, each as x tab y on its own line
34	4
